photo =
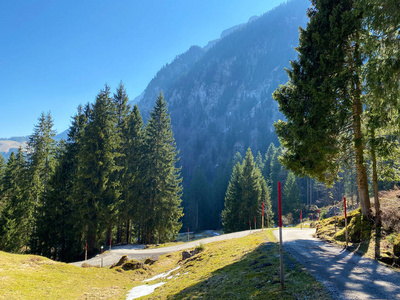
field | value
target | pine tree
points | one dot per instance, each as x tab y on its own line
97	184
132	183
41	148
322	100
16	221
266	171
291	195
161	195
259	161
230	214
122	109
246	190
59	230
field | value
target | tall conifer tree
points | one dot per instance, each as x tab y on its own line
97	185
322	100
161	194
16	221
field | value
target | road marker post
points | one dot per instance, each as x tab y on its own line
345	221
301	219
86	252
280	233
318	219
262	217
101	256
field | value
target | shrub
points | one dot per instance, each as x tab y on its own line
200	248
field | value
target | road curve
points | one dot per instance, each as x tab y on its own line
345	274
137	252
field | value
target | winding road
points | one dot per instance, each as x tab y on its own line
346	275
137	252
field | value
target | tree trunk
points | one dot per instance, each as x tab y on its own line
127	231
362	178
375	181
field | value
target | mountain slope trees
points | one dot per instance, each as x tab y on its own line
246	190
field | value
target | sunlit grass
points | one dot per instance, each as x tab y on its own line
244	268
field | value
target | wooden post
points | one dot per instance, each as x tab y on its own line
101	256
345	222
280	233
262	217
86	252
301	219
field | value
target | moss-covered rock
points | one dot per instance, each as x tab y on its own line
359	228
396	246
133	264
122	260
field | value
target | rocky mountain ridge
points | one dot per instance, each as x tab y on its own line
220	97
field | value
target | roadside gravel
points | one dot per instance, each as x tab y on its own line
346	275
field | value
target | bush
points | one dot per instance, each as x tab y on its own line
200	248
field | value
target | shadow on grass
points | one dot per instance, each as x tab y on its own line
256	276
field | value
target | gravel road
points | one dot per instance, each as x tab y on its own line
345	274
137	251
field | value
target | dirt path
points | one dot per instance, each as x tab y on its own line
345	274
137	252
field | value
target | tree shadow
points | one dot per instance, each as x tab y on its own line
377	242
256	276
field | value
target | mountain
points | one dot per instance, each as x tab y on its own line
220	99
12	144
220	96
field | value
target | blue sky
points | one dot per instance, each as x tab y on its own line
55	55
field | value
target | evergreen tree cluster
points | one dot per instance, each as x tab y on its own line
113	181
254	181
342	99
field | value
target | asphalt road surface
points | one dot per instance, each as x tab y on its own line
346	275
137	251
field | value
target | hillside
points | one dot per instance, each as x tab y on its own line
8	146
220	97
237	268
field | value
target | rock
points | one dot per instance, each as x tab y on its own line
151	260
132	265
186	254
122	260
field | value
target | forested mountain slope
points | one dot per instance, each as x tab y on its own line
220	97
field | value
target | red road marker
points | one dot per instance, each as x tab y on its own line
280	232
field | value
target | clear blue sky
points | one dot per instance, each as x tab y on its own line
55	55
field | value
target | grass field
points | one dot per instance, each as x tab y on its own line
245	268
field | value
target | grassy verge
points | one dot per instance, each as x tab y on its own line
245	268
364	237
